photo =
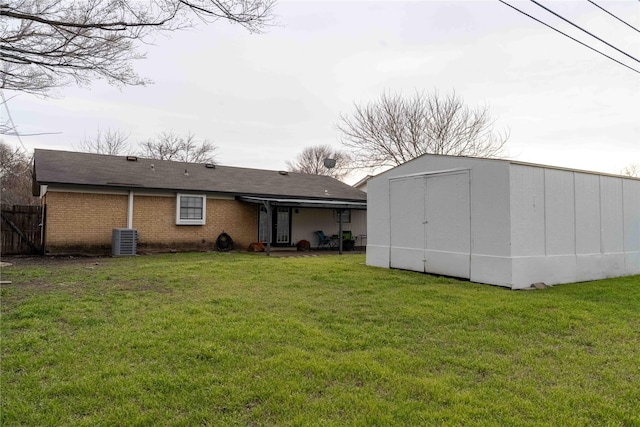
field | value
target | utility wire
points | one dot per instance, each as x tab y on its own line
566	35
582	29
619	19
13	125
6	107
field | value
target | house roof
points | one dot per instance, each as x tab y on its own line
73	169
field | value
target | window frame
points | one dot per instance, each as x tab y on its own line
346	213
191	221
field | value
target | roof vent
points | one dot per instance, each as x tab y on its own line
209	166
283	173
132	159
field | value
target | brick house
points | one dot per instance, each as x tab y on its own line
186	206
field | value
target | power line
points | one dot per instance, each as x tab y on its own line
619	19
582	29
572	38
13	125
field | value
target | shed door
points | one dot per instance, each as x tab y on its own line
448	225
407	205
431	224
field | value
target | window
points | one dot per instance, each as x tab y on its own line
346	216
191	209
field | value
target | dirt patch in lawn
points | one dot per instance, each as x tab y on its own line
51	260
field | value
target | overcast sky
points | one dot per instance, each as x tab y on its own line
262	98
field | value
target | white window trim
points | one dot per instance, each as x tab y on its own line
180	221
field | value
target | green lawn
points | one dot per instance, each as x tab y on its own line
237	339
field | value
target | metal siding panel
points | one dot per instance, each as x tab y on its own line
587	211
560	234
527	211
490	210
631	202
378	212
611	211
377	222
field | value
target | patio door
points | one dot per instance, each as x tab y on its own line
280	226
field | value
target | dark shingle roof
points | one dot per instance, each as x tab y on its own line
85	169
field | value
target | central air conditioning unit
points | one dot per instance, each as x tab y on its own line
124	241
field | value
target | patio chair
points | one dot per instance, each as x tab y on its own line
323	240
348	242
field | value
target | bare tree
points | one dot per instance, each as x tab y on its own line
395	129
169	146
45	44
15	176
111	141
632	169
311	161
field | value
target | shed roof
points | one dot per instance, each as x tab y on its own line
426	157
65	168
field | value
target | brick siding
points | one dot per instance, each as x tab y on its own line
78	221
83	221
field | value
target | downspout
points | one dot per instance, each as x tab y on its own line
130	210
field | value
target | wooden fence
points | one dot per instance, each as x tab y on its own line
22	229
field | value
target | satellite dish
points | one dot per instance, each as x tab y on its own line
329	163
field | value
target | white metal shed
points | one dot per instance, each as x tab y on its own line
503	222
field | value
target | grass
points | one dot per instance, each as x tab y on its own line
238	339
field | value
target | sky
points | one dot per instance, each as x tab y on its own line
262	98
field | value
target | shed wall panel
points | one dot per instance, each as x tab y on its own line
631	206
491	269
546	269
527	211
611	228
598	266
560	234
378	235
587	211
